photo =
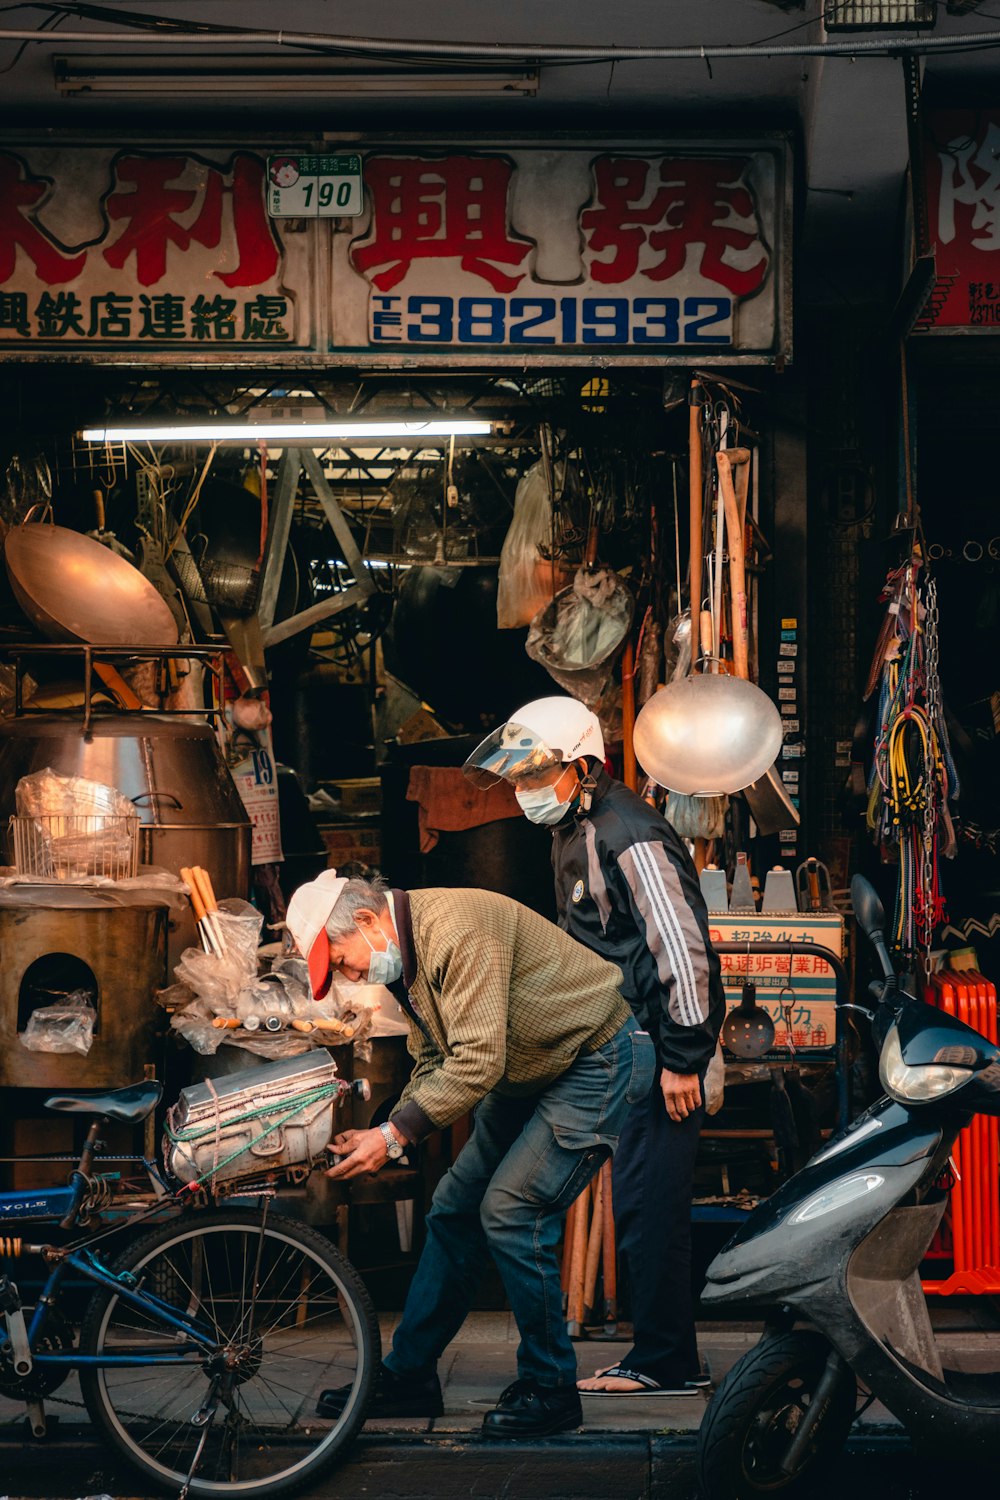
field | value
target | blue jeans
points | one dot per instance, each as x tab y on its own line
525	1162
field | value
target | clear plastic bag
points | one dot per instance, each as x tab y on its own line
47	794
215	980
220	979
527	577
577	636
66	1026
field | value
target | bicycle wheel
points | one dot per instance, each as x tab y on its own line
290	1318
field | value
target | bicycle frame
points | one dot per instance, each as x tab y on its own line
60	1205
87	1265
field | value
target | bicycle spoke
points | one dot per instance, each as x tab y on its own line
287	1325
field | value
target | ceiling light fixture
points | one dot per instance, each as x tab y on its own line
287	434
877	15
83	75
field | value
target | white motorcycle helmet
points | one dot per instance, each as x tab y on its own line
548	732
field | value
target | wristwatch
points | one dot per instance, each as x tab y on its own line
393	1148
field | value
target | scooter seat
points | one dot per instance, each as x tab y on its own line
129	1105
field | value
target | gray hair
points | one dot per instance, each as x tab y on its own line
357	895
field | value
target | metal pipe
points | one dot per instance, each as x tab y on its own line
491	52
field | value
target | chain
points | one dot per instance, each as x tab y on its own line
934	791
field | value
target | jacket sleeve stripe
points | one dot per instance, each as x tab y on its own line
595	875
648	872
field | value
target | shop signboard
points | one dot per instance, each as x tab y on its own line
962	174
649	253
146	253
798	987
399	255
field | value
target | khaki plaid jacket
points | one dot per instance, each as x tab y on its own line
505	1001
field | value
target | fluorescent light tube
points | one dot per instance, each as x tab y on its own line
283	432
86	74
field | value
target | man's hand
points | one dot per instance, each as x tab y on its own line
681	1093
363	1151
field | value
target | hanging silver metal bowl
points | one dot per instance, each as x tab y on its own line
707	735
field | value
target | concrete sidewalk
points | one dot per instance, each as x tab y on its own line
629	1448
481	1361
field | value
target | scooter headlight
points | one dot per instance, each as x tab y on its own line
837	1195
916	1085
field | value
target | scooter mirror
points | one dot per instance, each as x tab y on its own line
868	909
870	915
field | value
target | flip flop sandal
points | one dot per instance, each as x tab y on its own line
649	1387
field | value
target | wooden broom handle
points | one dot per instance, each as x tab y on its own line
197	904
205	891
737	561
696	479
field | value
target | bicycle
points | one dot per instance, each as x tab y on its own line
205	1345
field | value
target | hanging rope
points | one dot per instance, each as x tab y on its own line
913	775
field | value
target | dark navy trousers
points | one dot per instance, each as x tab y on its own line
652	1186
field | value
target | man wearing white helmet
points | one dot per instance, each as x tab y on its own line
626	887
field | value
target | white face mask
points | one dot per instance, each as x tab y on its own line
541	805
386	964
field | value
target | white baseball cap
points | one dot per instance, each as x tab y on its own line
308	913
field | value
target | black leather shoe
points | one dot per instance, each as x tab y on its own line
394	1396
528	1410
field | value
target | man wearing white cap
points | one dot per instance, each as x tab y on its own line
516	1020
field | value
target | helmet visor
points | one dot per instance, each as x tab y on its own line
511	753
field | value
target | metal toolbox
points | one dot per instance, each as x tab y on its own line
276	1117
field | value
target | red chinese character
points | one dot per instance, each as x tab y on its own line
153	208
698	202
440	210
19	194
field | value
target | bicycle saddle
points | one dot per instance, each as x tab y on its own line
130	1105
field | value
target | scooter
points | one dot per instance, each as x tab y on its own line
831	1264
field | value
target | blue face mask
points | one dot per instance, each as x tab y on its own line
541	805
385	965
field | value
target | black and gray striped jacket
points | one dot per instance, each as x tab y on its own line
627	888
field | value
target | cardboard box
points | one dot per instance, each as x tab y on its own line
358	794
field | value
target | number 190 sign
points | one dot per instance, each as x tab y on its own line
314	187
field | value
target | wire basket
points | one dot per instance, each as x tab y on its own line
60	846
232	586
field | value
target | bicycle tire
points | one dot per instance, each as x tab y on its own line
310	1326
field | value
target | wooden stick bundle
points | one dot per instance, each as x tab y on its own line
206	910
590	1252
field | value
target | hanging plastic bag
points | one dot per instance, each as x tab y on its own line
577	636
528	578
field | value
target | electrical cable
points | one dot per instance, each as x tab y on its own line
525	53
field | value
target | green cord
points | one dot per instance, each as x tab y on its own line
298	1104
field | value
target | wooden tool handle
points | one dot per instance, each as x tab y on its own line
696	481
737	564
197	904
594	1246
609	1250
204	884
630	774
705	629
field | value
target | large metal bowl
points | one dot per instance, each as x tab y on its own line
73	589
707	735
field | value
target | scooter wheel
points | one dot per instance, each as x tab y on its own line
756	1411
